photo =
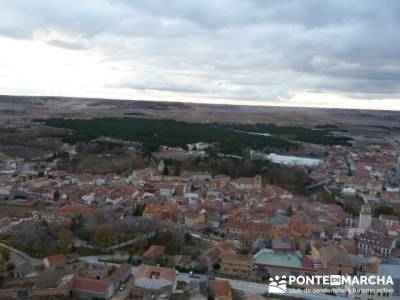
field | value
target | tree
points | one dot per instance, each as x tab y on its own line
172	240
65	240
73	226
383	210
79	221
10	266
131	252
177	170
103	237
165	171
398	244
289	211
139	210
323	196
188	238
5	253
111	270
245	250
35	238
76	223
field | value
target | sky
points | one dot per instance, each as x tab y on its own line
340	53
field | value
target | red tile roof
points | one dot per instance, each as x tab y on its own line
72	210
90	285
221	288
146	271
224	246
56	260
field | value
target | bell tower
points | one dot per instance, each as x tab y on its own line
365	220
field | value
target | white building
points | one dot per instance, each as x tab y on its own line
389	220
349	191
288	160
155	279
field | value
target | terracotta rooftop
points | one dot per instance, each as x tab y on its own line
224	246
153	272
58	259
92	285
221	288
122	272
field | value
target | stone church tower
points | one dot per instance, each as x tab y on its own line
365	221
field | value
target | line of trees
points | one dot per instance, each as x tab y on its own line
320	136
155	132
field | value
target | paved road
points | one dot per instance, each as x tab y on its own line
97	258
130	242
81	243
18	257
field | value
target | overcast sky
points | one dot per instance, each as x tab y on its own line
336	53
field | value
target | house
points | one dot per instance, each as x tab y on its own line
213	255
50	278
192	198
121	275
220	290
243	183
349	191
193	219
196	176
25	270
370	243
220	182
166	190
335	261
199	146
88	289
153	254
55	283
94	273
161	211
389	220
141	174
279	244
236	265
69	211
153	280
198	290
89	198
245	230
54	261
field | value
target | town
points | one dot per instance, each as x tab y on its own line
199	150
173	227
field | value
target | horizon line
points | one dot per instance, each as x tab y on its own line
248	103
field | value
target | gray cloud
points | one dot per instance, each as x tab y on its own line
247	49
